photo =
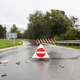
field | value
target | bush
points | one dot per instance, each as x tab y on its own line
72	34
57	38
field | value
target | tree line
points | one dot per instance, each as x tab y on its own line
53	24
13	29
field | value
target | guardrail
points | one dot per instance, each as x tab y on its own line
68	42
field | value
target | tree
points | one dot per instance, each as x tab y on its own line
74	22
47	25
19	34
2	31
34	27
72	34
13	28
59	22
26	34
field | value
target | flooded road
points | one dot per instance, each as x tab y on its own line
64	63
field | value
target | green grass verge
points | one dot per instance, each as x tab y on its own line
4	43
70	46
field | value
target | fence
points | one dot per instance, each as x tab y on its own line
53	41
38	41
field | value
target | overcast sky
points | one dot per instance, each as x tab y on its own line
17	11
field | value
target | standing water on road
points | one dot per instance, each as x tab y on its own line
63	65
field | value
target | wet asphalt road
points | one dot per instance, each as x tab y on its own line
40	69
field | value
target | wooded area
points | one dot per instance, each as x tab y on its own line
53	24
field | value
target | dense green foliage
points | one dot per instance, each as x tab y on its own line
72	34
13	28
52	24
2	31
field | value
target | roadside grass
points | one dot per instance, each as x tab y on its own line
75	46
4	43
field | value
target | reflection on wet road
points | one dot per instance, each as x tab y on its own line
40	69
